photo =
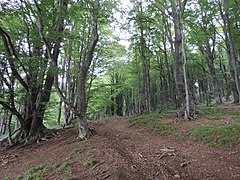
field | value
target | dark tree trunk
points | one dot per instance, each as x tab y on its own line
145	68
128	102
231	50
119	97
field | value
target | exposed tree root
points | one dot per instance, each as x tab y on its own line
90	132
22	141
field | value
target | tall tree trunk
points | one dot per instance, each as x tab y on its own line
233	60
178	70
84	131
187	98
145	68
119	97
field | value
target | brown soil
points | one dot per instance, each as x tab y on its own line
121	152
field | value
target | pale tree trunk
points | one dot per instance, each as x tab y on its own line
178	71
187	99
84	131
4	121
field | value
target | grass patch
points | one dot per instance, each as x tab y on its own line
79	149
89	160
37	172
151	121
217	117
65	167
235	113
204	111
216	136
235	118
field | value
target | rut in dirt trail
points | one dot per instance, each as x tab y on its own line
141	149
123	152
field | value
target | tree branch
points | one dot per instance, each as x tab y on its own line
11	52
13	110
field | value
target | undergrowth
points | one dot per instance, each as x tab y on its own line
89	160
38	172
152	122
216	113
204	111
216	136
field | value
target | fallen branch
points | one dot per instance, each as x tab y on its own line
94	167
163	155
107	176
166	150
167	154
186	163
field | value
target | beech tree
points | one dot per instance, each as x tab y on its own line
231	32
29	66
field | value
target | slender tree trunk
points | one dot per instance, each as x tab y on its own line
233	60
187	98
4	122
119	97
84	131
145	68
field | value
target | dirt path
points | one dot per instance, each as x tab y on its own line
121	152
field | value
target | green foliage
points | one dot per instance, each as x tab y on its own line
153	122
217	136
235	118
205	111
89	160
65	167
51	115
216	113
37	172
79	149
217	117
235	113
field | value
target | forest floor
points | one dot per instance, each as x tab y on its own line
119	151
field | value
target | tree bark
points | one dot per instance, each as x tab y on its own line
230	45
145	67
84	131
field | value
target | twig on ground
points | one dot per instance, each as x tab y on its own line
164	154
186	163
167	150
107	176
94	167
